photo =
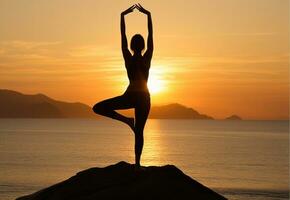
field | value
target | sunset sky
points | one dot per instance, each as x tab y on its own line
220	57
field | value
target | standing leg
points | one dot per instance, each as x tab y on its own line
107	108
141	115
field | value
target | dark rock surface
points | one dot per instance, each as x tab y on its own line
122	181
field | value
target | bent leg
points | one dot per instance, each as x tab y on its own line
141	115
107	108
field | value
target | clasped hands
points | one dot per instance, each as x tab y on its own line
138	6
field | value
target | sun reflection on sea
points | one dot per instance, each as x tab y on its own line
153	147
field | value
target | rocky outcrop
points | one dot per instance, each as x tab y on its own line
123	181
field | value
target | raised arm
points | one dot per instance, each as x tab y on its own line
125	50
149	51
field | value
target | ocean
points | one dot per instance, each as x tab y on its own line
239	159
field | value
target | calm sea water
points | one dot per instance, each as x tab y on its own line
239	159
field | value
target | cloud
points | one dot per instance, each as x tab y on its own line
51	59
43	55
242	34
27	44
217	34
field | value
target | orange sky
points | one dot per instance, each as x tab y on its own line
220	57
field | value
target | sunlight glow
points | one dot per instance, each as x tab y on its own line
156	82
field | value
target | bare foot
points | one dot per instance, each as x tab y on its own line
138	168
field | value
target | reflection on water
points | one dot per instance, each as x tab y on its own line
154	146
241	159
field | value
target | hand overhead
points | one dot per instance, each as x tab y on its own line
138	6
141	9
129	10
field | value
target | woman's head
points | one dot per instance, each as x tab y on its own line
137	43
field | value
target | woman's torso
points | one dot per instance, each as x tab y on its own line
138	73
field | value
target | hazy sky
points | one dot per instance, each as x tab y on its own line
220	57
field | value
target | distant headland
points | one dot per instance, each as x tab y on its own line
14	104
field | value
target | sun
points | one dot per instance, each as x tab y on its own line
155	82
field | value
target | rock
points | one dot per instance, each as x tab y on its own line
122	181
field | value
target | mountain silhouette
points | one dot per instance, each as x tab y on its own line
17	105
176	111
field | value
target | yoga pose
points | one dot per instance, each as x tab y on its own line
137	95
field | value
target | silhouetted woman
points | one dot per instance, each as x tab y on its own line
137	95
